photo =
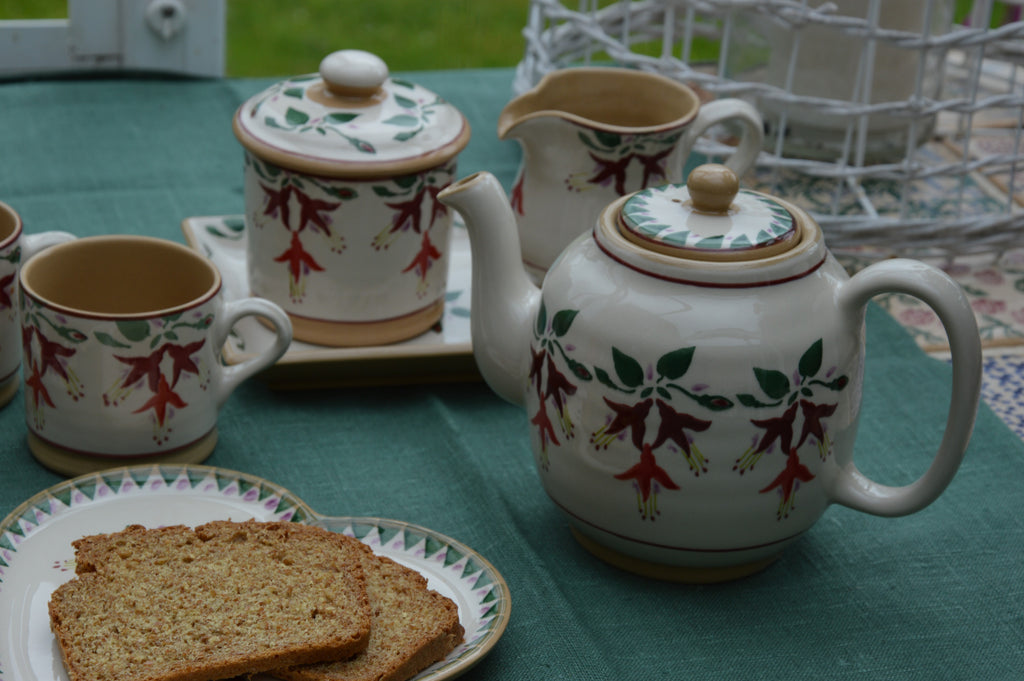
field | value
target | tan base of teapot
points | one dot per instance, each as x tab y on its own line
671	573
362	334
70	462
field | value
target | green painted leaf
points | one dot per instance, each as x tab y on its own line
604	378
383	191
774	383
673	365
810	363
406	136
296	92
609	140
404	83
542	319
748	400
627	369
562	321
109	340
134	330
342	117
405	102
404	120
406	181
296	117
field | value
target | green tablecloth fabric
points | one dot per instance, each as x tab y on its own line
937	595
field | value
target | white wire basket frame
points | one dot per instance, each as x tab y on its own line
954	195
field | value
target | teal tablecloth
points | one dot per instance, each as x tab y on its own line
937	595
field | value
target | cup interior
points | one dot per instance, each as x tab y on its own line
612	97
120	275
9	223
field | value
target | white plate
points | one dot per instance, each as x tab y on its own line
36	554
443	353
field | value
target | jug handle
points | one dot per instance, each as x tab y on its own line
932	286
742	160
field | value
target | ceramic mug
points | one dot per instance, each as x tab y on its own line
122	338
15	248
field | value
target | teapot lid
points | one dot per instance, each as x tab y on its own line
709	218
351	120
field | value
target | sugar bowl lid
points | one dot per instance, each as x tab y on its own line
710	218
351	120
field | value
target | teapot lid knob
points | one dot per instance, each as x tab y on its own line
353	73
712	188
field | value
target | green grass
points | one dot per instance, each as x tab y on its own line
286	37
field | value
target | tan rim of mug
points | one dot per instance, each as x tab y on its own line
577	89
10	225
167	277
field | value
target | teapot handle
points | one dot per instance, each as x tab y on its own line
742	160
932	286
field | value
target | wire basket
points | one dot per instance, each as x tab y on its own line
918	148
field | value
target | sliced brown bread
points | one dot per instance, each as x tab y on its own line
412	628
224	599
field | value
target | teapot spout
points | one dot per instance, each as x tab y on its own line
504	301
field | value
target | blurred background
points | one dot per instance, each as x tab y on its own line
288	37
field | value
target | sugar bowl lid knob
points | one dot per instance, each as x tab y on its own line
353	73
712	188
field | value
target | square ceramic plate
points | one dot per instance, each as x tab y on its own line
36	553
443	353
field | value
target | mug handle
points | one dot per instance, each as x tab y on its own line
232	375
932	286
33	243
742	160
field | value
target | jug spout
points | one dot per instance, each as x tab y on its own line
504	300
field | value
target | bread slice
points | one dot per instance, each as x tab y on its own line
412	627
224	599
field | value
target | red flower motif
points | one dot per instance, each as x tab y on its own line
558	386
653	166
163	396
780	428
181	356
297	259
545	428
408	213
813	413
35	382
5	296
147	367
608	171
427	254
437	209
536	365
311	213
673	427
50	354
629	417
645	473
787	481
277	200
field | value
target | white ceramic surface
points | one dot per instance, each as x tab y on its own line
695	413
591	135
108	376
440	354
16	247
36	554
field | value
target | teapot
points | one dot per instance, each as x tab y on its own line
692	370
592	134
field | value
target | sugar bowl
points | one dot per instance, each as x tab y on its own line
344	228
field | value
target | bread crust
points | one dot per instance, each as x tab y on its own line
412	628
224	599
